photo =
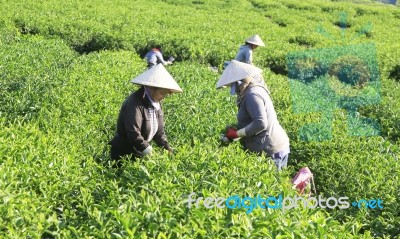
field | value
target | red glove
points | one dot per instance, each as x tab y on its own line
231	133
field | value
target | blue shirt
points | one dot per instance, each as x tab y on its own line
154	57
245	54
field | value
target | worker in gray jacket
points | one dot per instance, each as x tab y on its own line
258	126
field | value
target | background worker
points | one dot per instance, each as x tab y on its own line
245	53
154	57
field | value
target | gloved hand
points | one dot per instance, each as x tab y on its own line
231	133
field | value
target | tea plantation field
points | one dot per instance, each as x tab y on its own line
65	68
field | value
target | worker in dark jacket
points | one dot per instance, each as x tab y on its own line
140	119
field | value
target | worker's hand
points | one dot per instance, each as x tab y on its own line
231	133
148	150
224	139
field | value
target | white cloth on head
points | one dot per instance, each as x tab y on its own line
156	105
233	87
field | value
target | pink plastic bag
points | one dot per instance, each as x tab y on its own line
302	179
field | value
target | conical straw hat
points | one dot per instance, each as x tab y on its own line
159	77
236	71
256	40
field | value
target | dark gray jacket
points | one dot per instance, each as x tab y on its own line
133	125
257	115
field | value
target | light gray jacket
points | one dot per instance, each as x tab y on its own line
245	54
258	117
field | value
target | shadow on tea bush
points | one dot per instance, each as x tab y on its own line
350	70
98	42
306	69
395	73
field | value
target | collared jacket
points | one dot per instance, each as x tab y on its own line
134	125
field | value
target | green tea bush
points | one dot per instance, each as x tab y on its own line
31	68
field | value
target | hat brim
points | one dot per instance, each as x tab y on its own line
255	40
153	85
237	71
256	43
158	77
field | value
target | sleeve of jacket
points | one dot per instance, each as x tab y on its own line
133	120
255	108
249	57
160	58
147	56
160	138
